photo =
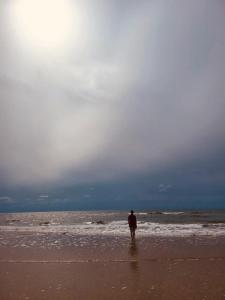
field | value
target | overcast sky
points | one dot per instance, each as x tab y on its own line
124	88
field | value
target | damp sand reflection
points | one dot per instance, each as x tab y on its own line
133	253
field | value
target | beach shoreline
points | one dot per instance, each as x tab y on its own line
116	268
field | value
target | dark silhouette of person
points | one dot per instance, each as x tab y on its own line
132	221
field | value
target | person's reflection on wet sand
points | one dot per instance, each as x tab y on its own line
134	255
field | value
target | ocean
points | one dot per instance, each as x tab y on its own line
114	223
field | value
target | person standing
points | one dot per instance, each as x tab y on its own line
132	221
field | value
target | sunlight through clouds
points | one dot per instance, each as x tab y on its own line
46	25
140	90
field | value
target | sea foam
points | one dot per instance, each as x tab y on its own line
120	228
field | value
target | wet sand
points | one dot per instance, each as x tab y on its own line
116	268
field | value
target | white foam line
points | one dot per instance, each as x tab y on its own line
111	260
120	228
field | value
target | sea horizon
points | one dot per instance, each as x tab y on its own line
194	209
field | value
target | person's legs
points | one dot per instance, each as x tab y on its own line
132	232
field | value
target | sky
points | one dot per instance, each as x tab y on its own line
108	104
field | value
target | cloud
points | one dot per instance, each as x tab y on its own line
163	188
142	91
6	200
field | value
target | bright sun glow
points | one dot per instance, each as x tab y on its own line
46	24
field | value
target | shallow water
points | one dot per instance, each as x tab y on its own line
114	223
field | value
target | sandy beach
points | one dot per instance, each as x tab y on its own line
116	268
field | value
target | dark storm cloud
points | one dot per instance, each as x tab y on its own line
143	90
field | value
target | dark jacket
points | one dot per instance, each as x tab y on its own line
132	221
